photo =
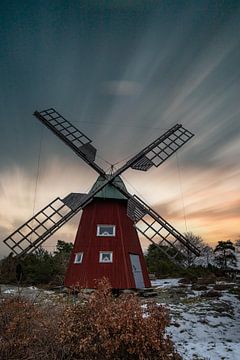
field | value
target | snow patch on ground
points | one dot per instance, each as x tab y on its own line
9	291
165	283
204	329
33	288
31	292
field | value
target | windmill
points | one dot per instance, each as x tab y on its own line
107	242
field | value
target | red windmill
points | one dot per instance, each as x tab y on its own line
112	248
107	242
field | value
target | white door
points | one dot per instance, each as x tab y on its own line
137	271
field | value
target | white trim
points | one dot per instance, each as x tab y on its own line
113	227
78	258
101	259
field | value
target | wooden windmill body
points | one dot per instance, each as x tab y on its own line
107	243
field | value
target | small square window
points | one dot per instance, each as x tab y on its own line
105	257
106	230
78	258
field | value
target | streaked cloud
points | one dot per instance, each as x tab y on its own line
123	73
122	88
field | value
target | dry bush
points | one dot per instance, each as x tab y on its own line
207	280
104	327
110	328
211	294
26	331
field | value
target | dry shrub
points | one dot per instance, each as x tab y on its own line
207	280
26	331
110	328
104	327
211	294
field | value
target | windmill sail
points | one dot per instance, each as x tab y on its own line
28	237
33	233
158	231
161	149
74	138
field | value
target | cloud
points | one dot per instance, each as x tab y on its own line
23	196
206	203
117	5
126	76
122	88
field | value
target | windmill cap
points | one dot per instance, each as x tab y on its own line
109	191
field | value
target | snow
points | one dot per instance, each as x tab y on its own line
32	288
165	283
206	336
206	329
9	291
31	292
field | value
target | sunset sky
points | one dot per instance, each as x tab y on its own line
123	72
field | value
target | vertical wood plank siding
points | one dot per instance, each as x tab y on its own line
124	243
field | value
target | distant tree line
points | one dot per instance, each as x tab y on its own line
43	267
40	267
218	260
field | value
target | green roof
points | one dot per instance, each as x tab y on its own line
109	191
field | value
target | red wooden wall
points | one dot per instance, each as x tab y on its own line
125	242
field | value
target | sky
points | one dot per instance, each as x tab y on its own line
123	72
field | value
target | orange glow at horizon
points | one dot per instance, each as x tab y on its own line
199	204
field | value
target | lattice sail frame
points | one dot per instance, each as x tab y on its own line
157	230
74	138
169	146
53	119
162	148
28	237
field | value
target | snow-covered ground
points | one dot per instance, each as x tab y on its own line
206	329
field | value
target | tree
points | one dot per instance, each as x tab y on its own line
206	258
237	244
61	259
7	269
237	249
195	240
40	267
158	263
225	254
63	247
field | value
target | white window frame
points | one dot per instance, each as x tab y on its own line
101	258
104	234
78	260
